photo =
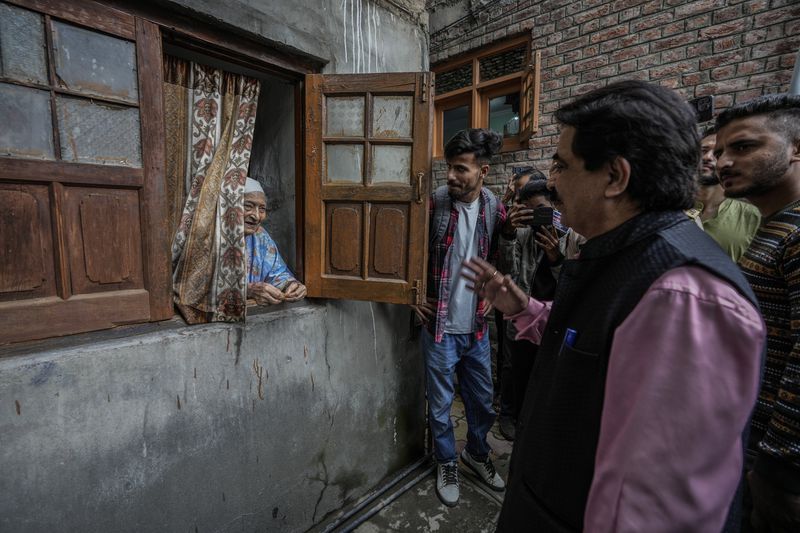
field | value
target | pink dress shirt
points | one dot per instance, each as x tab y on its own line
682	379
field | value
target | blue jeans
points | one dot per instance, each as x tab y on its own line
471	359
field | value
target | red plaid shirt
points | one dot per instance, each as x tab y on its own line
439	275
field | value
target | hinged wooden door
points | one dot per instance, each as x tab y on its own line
367	184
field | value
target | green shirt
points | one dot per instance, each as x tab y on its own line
734	226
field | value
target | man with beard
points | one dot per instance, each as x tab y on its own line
464	216
269	280
730	222
649	354
758	158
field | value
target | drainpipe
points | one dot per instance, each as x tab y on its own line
794	85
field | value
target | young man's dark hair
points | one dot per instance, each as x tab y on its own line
711	129
652	127
483	143
537	186
782	111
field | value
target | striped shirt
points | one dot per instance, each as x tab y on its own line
772	266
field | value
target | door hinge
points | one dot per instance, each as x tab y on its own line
425	87
419	295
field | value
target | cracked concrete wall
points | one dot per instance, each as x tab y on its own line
350	36
271	426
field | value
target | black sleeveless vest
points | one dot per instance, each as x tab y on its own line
553	459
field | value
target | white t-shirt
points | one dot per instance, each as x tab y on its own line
462	302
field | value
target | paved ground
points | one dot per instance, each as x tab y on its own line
419	508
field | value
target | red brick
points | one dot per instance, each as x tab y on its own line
552	85
590	14
700	21
650	35
787	61
749	67
609	20
653	6
723	73
572	80
586	87
572	44
672	70
590	63
693	8
627	66
676	54
723	101
553	61
782	46
695	78
562	71
754	6
589	27
672	29
774	16
720	30
779	77
590	75
728	13
749	94
651	22
573	55
728	43
719	60
755	36
648	61
629	14
699	49
672	42
776	32
611	33
629	53
672	83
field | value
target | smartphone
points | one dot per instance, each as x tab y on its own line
542	216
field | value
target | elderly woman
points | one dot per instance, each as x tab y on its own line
269	280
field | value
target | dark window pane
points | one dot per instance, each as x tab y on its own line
27	129
99	134
94	63
22	45
453	121
454	79
504	114
502	64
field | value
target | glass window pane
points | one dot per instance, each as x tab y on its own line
94	63
454	79
453	121
22	46
391	164
502	64
504	114
345	162
345	116
27	126
99	134
391	116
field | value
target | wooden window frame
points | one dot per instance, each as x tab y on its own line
476	93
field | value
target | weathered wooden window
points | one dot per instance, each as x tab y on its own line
495	87
366	188
82	222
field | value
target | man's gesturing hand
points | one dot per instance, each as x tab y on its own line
496	289
424	311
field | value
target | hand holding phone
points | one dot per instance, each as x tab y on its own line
542	216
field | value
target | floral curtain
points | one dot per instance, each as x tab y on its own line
211	113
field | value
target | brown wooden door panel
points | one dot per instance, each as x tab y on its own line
367	184
103	238
26	242
41	318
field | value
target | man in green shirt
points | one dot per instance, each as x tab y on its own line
732	223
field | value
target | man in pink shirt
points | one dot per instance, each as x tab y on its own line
649	356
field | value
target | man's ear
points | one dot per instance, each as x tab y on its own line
795	156
484	170
619	175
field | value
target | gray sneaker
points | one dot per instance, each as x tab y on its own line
485	471
447	483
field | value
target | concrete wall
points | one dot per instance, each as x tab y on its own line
270	426
349	35
733	49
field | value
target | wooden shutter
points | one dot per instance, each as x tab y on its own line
367	185
529	104
83	240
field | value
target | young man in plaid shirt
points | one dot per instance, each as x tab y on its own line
464	217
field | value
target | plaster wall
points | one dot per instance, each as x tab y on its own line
270	426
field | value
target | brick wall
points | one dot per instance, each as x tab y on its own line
733	49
